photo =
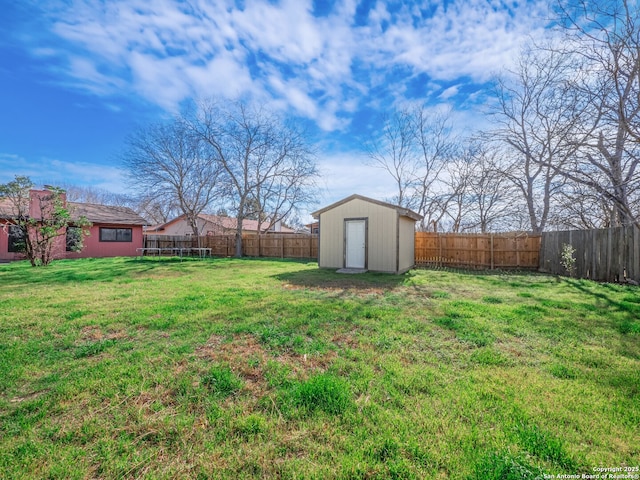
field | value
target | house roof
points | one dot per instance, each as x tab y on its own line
227	223
106	214
405	212
93	212
6	208
232	223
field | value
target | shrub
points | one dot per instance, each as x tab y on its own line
567	258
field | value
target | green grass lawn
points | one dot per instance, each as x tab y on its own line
125	368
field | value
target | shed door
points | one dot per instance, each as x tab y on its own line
355	241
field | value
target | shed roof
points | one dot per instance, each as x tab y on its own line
405	212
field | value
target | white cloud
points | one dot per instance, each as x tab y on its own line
51	171
449	92
321	67
347	173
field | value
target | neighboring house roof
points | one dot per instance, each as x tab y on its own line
231	223
106	214
403	211
226	223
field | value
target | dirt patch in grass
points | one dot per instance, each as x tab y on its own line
337	289
95	333
226	349
347	340
248	358
27	397
303	365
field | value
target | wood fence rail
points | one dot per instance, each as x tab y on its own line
474	250
270	245
606	255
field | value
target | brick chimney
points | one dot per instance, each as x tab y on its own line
35	203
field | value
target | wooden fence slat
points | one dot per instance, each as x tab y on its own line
605	255
602	255
271	245
477	250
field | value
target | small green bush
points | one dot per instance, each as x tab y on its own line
568	259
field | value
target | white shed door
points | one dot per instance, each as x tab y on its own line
355	243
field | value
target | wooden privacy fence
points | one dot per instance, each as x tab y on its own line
431	249
606	255
477	250
270	245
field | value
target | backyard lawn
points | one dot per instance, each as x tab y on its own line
156	368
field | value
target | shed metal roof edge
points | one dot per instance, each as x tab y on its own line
403	211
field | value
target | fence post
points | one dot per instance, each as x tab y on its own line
609	253
492	261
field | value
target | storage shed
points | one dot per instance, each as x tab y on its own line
359	233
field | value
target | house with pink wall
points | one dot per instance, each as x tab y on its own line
115	231
215	225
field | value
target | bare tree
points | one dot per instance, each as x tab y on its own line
459	171
266	163
171	165
90	194
436	145
581	208
538	120
605	35
286	188
394	150
413	148
491	194
156	209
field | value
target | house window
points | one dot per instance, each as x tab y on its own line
74	239
116	234
16	239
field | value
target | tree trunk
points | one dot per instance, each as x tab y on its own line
239	237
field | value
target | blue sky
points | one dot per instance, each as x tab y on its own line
77	76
